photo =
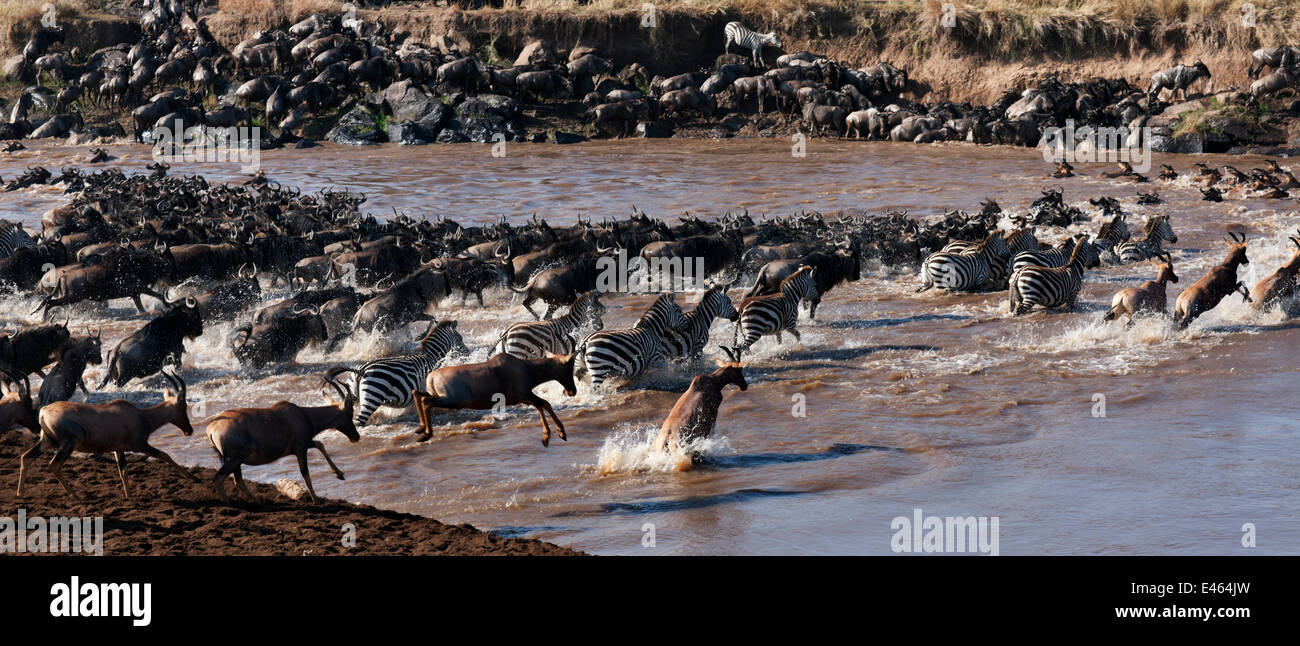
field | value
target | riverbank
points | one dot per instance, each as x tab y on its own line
172	516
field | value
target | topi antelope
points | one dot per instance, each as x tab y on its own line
1147	297
16	405
501	379
257	436
1219	282
696	411
1279	286
115	427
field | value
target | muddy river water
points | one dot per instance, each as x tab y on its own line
894	401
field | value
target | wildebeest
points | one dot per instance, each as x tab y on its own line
1275	57
1176	78
123	273
559	286
67	375
403	303
278	340
831	269
159	341
32	348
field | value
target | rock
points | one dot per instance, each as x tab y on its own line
409	133
537	138
720	133
409	101
537	51
12	68
735	122
568	137
451	136
653	130
356	128
490	105
479	130
305	143
1163	142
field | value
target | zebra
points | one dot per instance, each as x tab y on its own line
687	342
534	339
773	313
12	238
1112	232
1157	229
629	352
1059	255
389	381
1047	286
749	39
966	270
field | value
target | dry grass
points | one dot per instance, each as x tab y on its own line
13	12
293	10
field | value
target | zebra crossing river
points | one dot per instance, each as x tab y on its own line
1081	437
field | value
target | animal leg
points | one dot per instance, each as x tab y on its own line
121	471
56	466
228	466
239	482
419	398
139	307
35	451
321	447
558	423
157	453
306	477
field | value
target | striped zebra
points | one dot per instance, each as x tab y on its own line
687	342
1047	286
1018	241
1113	232
389	381
1157	229
749	39
13	237
774	313
629	352
1059	255
966	270
534	339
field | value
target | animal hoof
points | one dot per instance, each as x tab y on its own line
546	441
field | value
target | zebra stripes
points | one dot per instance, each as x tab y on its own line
13	237
966	270
774	313
1059	255
627	353
1113	232
389	381
688	341
1157	229
749	39
534	339
1047	286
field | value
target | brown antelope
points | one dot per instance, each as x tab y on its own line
1220	281
1279	285
257	436
484	385
1149	296
696	411
116	427
16	405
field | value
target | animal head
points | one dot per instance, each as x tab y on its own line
1159	226
1165	264
771	38
731	371
1237	255
444	336
590	310
18	403
716	296
343	421
565	376
174	398
1204	70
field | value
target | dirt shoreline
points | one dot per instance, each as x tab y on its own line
172	516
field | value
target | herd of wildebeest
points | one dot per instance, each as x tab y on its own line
373	83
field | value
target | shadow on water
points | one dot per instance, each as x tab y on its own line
521	531
681	504
865	324
765	459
